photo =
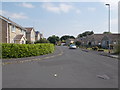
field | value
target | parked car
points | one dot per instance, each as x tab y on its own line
72	46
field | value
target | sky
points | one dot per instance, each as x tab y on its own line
62	18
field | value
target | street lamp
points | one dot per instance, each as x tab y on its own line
108	16
108	22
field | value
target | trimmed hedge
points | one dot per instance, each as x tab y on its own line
117	49
26	50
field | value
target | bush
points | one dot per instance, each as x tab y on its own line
95	48
42	41
25	50
78	43
117	49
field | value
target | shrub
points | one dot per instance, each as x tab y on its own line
117	49
95	48
42	41
78	43
26	50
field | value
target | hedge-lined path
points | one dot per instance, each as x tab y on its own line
57	52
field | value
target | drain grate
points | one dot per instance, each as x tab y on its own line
103	77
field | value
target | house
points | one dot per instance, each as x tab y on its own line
30	34
41	36
70	41
110	39
82	40
94	39
11	32
37	36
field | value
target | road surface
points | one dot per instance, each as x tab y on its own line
73	68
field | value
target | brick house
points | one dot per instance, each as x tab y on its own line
91	40
11	32
30	34
110	39
102	40
94	40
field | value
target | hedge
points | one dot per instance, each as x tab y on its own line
117	49
26	50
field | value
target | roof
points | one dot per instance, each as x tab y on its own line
99	37
113	36
29	29
96	37
18	37
11	22
36	33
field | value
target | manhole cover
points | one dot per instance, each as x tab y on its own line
103	77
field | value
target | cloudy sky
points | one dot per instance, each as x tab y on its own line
62	18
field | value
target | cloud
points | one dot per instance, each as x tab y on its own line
27	5
62	7
65	7
51	7
13	15
19	16
77	11
91	9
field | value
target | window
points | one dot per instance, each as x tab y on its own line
22	42
13	28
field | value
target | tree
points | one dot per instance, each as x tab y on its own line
86	33
53	39
106	32
42	41
78	43
65	37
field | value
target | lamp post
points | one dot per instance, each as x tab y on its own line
108	23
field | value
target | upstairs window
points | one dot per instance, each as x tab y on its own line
13	28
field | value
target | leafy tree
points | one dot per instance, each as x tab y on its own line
106	32
53	39
65	37
78	43
42	41
86	33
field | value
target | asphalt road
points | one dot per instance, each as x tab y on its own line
73	69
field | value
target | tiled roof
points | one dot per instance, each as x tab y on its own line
18	37
96	37
29	29
36	33
99	37
113	36
11	22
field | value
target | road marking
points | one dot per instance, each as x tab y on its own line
38	59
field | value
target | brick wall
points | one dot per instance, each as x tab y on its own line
4	31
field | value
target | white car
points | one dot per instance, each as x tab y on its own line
72	46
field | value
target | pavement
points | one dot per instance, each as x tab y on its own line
66	68
102	53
